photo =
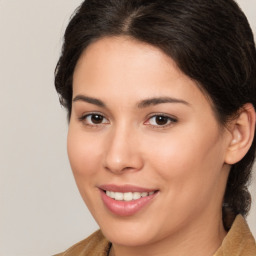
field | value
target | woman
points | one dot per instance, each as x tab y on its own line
161	99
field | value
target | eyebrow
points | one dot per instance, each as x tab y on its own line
160	100
142	104
90	100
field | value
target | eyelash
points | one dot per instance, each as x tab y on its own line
84	117
169	119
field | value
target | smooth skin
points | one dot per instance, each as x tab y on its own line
138	120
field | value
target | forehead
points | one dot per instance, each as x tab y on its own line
127	69
124	54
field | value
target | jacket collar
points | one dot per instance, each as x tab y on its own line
239	240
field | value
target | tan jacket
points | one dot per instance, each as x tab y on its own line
238	242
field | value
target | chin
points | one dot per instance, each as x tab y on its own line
130	232
128	238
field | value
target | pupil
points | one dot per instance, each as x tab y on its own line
161	120
97	119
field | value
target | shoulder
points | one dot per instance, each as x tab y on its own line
95	244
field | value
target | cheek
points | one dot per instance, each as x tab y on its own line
191	175
83	153
188	160
84	158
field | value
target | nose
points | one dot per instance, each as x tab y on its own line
122	152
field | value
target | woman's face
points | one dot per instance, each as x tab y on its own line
147	153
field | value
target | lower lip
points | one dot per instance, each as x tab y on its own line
124	208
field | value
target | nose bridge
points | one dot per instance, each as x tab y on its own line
121	151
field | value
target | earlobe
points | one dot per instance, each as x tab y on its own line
242	132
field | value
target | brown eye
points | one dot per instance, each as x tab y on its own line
160	120
97	119
94	119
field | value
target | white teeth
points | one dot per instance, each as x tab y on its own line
128	196
144	194
112	194
136	195
119	196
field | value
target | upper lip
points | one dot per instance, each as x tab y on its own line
124	188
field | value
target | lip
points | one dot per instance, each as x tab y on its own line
125	188
124	208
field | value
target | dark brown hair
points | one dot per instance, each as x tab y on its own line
211	42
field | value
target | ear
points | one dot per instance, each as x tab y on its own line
242	130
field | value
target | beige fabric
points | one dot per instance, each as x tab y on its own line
95	245
238	242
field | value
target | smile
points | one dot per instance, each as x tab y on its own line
127	196
126	200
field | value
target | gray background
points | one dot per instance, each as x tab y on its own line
41	212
